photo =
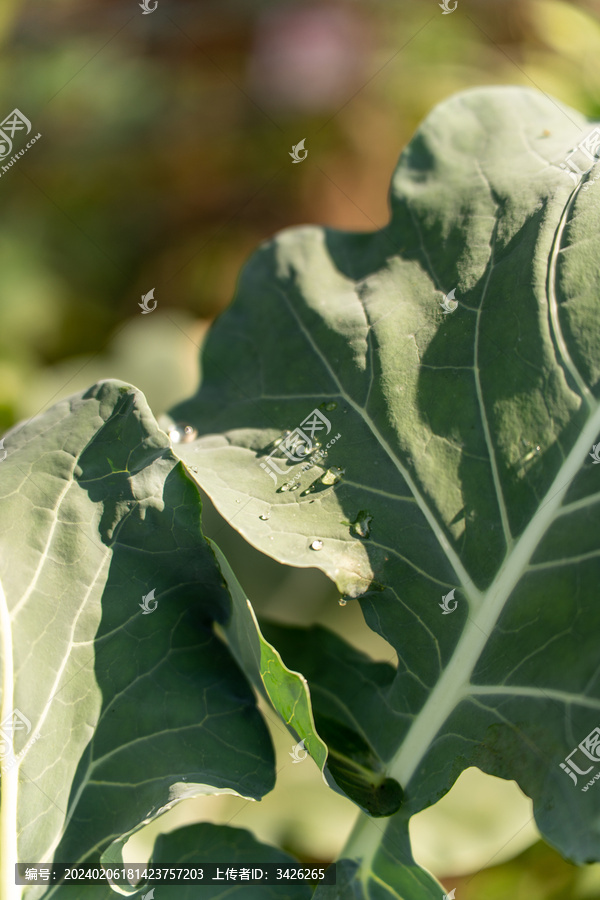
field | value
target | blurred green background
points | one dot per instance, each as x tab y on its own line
164	160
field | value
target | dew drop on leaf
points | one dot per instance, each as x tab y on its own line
332	475
342	601
316	545
182	434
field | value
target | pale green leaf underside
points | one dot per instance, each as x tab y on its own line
440	417
129	712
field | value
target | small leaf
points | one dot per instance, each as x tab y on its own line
286	690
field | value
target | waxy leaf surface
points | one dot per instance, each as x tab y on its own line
459	448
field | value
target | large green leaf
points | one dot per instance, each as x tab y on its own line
464	442
234	848
128	712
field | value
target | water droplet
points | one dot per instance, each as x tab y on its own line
182	434
294	487
316	545
529	456
361	526
342	601
332	475
238	501
329	406
194	468
265	516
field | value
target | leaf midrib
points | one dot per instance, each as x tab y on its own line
452	685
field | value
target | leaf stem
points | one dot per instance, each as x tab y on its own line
363	843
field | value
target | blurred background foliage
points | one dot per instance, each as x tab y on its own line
163	162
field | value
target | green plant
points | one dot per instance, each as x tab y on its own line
459	463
